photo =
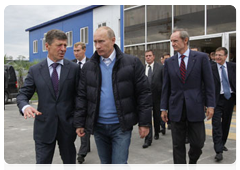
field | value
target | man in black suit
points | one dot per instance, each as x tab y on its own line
154	72
55	80
185	75
79	50
224	74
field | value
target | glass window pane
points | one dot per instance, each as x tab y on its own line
159	22
190	17
128	6
232	47
220	18
86	35
134	30
138	51
159	49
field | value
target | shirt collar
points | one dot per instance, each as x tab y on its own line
150	64
82	61
186	53
219	66
49	61
112	56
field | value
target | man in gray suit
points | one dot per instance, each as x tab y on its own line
55	80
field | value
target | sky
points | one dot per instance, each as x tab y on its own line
17	18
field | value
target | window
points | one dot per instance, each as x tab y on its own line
220	18
102	24
43	42
84	35
70	39
134	26
159	23
35	46
190	17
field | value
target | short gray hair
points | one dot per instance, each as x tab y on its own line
183	33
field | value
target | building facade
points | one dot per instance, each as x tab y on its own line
150	26
79	26
142	27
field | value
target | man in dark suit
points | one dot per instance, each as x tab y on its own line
154	72
224	74
55	80
79	50
186	74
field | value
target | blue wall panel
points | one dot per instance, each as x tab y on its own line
74	24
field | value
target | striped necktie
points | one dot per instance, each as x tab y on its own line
183	68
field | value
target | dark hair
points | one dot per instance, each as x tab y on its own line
166	53
55	34
150	51
222	48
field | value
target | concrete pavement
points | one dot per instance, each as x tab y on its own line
19	144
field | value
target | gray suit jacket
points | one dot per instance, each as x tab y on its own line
55	111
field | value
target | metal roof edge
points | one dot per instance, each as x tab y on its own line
63	17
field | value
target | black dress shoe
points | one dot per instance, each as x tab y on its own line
219	157
163	131
156	136
146	145
80	159
192	165
225	148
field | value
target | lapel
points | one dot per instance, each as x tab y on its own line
154	69
229	70
176	65
63	76
44	71
215	72
191	61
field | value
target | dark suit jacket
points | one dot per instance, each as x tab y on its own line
55	111
174	92
231	69
156	85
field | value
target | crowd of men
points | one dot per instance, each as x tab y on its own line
111	92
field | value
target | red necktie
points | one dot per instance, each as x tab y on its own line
183	68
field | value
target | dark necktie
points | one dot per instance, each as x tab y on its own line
55	78
183	68
80	65
150	74
225	84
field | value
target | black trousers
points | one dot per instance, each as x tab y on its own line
45	151
221	121
85	145
196	137
156	122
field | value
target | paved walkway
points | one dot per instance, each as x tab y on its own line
19	144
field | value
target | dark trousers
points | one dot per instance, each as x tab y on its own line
85	145
45	151
156	122
221	122
196	137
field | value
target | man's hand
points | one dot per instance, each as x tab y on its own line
80	132
31	112
143	131
209	113
164	116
